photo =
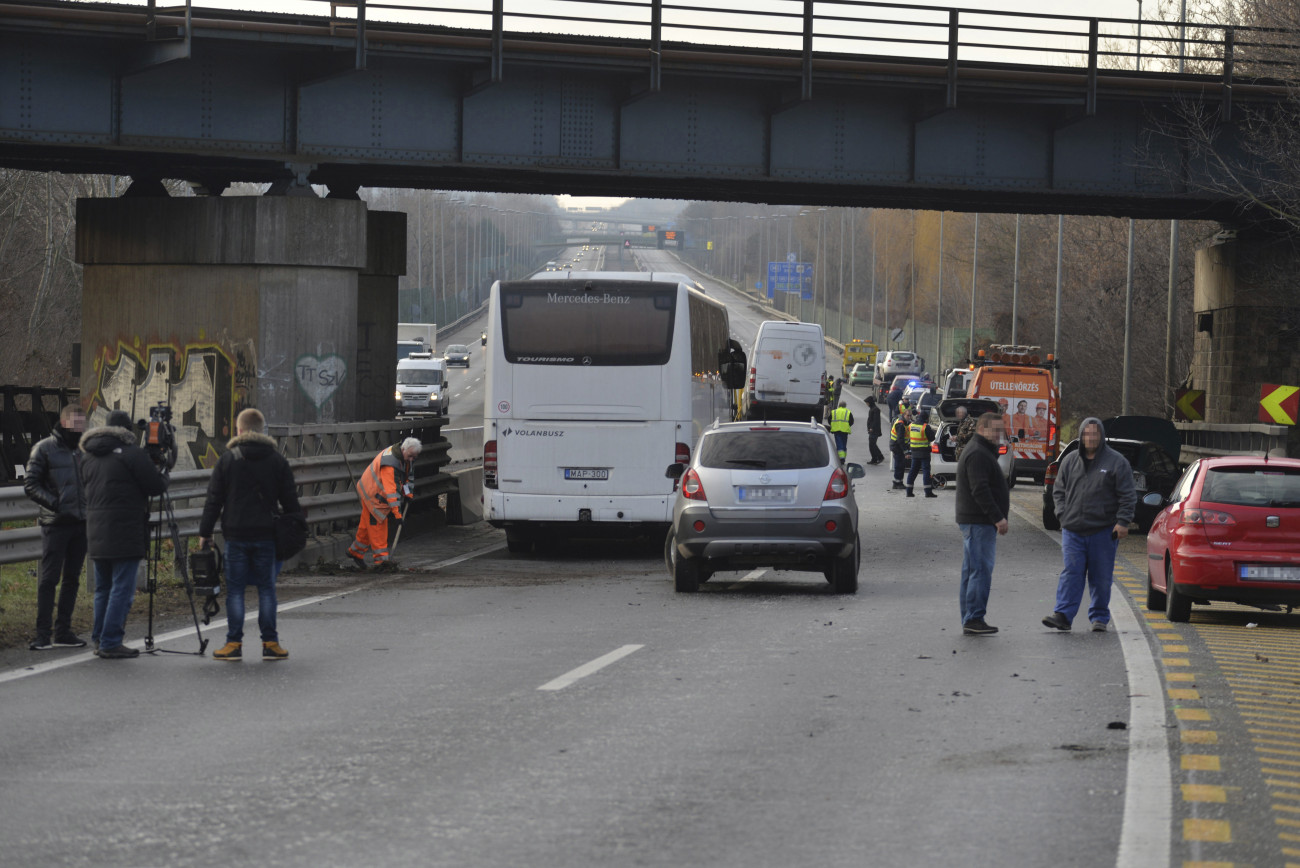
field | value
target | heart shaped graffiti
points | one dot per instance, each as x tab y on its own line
319	377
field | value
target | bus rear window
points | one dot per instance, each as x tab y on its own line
588	324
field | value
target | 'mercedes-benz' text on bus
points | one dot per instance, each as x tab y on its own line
594	387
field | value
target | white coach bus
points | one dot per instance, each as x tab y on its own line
595	385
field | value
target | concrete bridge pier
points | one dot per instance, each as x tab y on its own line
212	304
1247	307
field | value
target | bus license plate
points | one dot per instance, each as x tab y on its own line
586	473
1270	572
767	493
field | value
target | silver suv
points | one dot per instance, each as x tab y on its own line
764	495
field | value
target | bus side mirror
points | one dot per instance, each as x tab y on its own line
733	375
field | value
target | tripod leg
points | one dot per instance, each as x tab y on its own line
182	568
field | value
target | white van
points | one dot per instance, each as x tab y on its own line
787	373
422	385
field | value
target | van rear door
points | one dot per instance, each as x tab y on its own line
790	364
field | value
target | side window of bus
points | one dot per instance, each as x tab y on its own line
708	336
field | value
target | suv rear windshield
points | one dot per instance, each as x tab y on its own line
419	377
1253	486
588	323
769	450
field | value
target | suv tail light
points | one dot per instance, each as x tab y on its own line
490	464
692	488
1002	449
934	447
1207	517
838	487
1049	475
683	454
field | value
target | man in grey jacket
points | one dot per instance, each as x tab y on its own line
1095	498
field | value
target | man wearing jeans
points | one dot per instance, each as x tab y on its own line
1095	498
247	483
118	478
983	503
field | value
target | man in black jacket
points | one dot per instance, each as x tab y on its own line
247	483
53	481
873	430
983	503
119	478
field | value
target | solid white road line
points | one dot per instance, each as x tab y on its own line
1146	830
588	668
250	616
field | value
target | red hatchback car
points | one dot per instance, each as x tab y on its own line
1230	532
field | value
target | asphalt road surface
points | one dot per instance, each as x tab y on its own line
569	709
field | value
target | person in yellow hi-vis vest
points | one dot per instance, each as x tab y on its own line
388	479
898	445
841	425
919	435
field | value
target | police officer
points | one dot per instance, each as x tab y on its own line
833	397
919	435
898	445
841	425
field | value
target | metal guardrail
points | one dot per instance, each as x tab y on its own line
326	479
825	28
1207	439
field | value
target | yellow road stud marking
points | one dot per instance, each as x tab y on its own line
1216	831
1204	793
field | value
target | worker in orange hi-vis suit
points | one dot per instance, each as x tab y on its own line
388	479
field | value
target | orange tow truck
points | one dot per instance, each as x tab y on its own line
1024	385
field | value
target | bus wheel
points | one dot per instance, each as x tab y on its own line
518	542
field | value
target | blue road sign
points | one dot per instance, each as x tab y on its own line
790	277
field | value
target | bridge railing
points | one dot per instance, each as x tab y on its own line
823	27
327	461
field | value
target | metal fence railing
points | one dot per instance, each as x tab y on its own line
807	27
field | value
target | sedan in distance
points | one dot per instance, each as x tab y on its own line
456	354
861	374
1230	532
764	495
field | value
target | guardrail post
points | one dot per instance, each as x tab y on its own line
1229	38
952	57
806	88
1090	99
656	44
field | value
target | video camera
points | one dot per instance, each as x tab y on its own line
160	436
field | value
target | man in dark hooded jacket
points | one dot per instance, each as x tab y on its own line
1095	498
53	481
119	478
246	485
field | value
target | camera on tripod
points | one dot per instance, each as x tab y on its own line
160	436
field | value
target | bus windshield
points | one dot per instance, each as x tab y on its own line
617	324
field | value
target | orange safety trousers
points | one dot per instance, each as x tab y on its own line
372	538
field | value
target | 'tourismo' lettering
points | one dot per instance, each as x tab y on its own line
547	359
587	298
1030	386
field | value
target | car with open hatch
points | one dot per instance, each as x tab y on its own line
764	495
1229	532
1152	446
945	418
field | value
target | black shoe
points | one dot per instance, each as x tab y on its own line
898	485
909	493
356	562
931	494
118	652
1056	621
41	643
69	640
977	627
